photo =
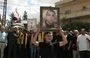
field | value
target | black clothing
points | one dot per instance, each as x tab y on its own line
70	41
46	50
84	54
68	47
74	42
12	44
28	45
57	49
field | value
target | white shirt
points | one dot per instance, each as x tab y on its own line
4	34
83	42
4	37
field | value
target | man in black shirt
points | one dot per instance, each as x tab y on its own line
46	47
12	43
58	50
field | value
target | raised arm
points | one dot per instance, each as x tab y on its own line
34	38
64	40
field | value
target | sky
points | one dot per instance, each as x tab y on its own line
32	7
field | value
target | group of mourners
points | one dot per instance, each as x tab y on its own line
20	43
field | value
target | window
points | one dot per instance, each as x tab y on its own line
84	8
67	11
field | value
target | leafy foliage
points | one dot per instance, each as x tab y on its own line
76	25
25	15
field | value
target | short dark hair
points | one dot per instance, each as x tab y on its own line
46	33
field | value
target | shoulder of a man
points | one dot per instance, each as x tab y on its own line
79	35
87	36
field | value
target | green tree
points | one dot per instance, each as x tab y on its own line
11	17
25	15
76	25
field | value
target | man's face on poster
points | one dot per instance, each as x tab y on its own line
32	25
50	17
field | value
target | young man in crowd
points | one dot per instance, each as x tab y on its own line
46	47
83	44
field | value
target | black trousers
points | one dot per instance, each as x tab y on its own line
68	54
84	54
12	51
21	51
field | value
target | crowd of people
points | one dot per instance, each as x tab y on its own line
20	43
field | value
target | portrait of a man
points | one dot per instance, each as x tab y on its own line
49	17
32	24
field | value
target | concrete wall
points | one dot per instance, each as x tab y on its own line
76	8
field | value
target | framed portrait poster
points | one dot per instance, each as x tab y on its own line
49	18
32	24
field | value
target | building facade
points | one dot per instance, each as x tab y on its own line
74	10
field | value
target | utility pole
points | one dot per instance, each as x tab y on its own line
4	12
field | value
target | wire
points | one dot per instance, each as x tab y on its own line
18	4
